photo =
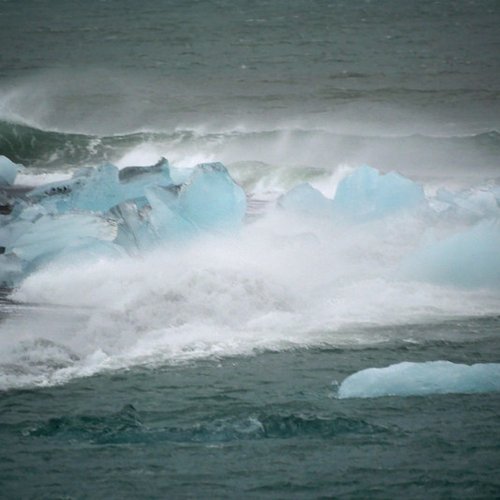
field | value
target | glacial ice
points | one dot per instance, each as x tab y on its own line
99	189
107	211
419	379
304	199
8	171
104	211
470	257
211	199
364	195
368	194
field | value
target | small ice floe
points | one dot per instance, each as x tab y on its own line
420	379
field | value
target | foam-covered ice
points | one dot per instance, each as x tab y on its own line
305	199
419	379
470	257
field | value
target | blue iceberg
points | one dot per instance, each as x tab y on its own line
101	188
364	195
306	200
368	194
470	257
419	379
105	211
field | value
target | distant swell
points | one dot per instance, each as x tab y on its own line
34	147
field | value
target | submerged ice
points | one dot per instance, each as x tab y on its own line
419	379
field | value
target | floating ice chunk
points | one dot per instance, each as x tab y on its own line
368	194
134	228
99	189
8	171
211	199
418	379
166	217
30	243
469	258
306	200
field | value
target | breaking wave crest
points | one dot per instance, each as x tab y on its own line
318	148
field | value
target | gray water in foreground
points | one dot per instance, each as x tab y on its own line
267	425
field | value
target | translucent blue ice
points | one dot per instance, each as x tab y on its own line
470	257
364	195
211	199
103	211
305	199
48	235
368	194
418	379
101	188
8	171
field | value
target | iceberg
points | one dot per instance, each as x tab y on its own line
420	379
364	195
8	172
211	199
104	211
306	200
470	257
101	188
368	194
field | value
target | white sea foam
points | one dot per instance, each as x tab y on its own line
283	281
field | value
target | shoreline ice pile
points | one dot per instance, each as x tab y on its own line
107	212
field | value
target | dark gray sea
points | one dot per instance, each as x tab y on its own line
301	356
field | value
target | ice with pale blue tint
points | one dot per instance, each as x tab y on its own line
166	217
468	258
367	194
419	379
211	200
134	228
364	195
101	188
48	235
8	171
305	199
106	212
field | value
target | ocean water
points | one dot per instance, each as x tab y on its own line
302	355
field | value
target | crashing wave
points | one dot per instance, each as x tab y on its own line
107	212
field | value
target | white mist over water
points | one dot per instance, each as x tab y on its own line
283	281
